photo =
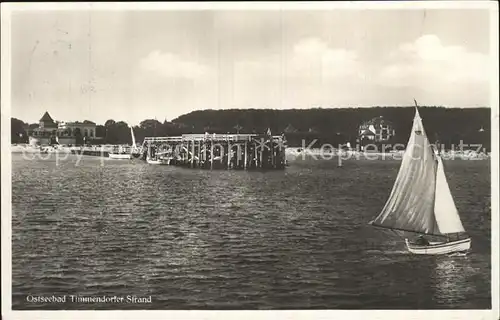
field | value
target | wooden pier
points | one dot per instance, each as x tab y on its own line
219	151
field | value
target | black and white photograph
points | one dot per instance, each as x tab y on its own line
251	158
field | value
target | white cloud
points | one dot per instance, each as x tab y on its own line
312	72
312	56
306	74
430	63
173	66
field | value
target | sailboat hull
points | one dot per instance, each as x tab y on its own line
121	156
439	247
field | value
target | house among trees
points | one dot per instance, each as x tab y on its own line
49	132
377	130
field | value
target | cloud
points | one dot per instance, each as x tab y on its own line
313	56
311	71
430	63
170	65
309	58
308	72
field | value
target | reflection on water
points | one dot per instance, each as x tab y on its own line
201	239
452	280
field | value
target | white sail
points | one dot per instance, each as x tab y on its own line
445	210
410	206
133	136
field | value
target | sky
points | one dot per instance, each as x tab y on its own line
136	65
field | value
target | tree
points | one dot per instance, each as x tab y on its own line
100	131
152	128
109	123
18	131
78	136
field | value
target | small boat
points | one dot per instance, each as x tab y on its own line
120	153
421	201
120	156
159	160
162	158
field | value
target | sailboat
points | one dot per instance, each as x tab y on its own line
421	202
136	153
123	153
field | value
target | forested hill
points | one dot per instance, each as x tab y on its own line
449	125
334	126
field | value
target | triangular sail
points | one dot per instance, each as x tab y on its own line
133	136
410	205
445	210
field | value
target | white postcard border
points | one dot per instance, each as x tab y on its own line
8	8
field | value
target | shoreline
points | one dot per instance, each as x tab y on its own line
291	154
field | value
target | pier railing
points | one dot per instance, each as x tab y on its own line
212	137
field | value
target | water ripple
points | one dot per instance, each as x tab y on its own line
199	239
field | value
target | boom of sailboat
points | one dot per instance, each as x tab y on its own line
421	201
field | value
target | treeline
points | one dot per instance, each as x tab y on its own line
334	126
337	126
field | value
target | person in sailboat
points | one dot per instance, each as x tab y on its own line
422	241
